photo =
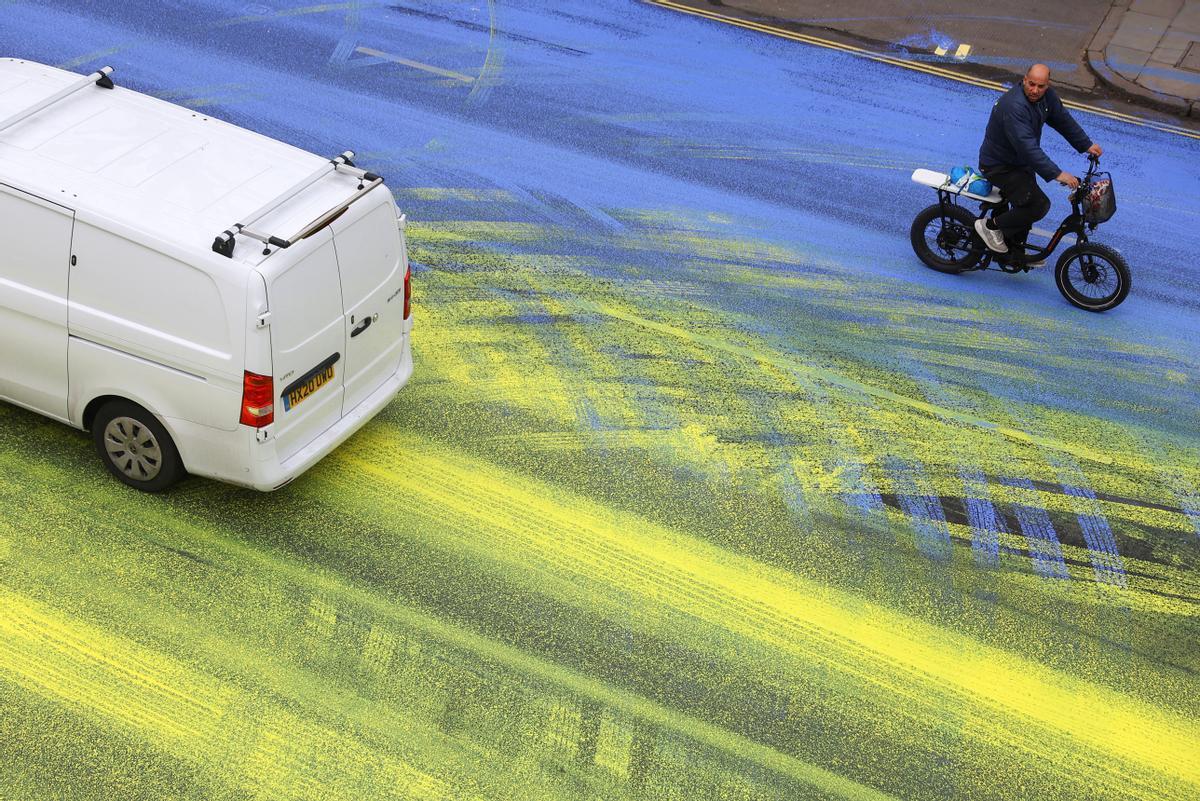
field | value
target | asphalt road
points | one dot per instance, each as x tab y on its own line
704	487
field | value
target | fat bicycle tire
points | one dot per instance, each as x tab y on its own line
950	251
1088	265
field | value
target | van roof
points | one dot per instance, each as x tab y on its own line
165	171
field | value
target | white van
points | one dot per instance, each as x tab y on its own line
203	299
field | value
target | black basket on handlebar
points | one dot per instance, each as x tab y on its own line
1098	199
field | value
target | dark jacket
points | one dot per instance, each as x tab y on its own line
1014	133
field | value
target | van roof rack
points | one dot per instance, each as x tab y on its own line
367	181
99	78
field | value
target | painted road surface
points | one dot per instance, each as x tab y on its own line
704	487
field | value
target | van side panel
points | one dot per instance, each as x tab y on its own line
35	251
98	370
154	318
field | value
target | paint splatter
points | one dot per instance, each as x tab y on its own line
703	487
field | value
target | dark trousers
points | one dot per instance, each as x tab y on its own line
1028	203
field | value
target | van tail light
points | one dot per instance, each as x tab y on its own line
407	290
258	394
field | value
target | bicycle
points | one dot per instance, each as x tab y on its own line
1089	275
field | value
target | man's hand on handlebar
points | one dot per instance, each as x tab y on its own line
1068	180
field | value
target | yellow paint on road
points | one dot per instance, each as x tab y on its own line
795	365
621	561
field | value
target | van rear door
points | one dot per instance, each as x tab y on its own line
308	344
372	261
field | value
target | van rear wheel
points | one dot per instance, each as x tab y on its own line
135	447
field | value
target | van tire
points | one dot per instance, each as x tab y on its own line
135	447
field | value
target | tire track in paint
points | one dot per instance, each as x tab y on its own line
1098	537
567	355
1035	524
339	603
931	526
572	540
913	490
984	520
787	362
782	452
92	670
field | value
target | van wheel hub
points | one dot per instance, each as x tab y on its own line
132	448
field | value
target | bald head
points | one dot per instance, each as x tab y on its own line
1036	82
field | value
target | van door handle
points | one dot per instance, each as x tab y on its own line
358	329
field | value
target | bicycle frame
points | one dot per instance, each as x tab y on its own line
1015	261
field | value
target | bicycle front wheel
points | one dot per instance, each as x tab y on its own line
1092	276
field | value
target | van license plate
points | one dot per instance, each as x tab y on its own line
297	394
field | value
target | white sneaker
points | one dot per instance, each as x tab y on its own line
994	239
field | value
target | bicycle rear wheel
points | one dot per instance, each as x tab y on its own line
1092	276
943	240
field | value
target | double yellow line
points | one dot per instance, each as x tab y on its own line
917	66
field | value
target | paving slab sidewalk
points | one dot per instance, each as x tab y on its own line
1151	49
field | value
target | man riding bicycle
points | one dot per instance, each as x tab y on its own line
1011	154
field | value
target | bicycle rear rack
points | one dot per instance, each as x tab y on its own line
225	241
99	78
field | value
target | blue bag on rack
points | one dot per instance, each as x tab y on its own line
966	179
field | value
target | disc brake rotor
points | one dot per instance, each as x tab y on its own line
949	238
